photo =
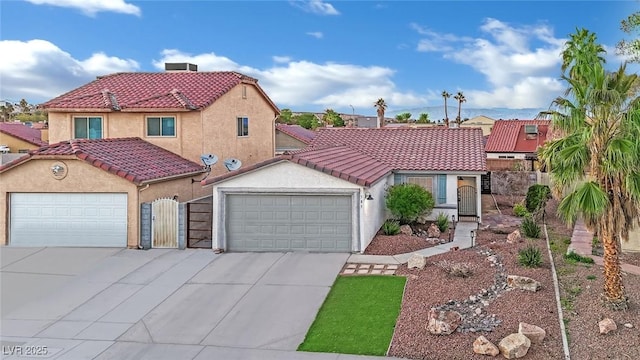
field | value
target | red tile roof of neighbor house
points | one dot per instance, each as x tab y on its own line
363	156
161	90
23	132
297	132
509	136
130	158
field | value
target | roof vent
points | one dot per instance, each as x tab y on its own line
531	129
180	67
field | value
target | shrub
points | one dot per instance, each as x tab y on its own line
530	228
573	257
456	269
531	256
443	222
391	227
520	210
408	201
537	197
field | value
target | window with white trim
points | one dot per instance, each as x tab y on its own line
87	127
161	126
243	126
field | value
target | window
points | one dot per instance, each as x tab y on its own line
244	91
243	126
505	156
435	184
161	126
87	127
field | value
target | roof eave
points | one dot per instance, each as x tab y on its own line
172	177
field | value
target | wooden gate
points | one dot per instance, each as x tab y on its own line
164	223
467	204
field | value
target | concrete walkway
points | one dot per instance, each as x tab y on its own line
581	244
461	240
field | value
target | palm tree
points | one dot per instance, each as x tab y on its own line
596	161
446	95
460	97
380	106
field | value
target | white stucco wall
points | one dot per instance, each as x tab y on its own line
374	212
451	207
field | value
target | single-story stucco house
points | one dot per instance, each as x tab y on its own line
330	197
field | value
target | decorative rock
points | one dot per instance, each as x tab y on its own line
628	325
422	219
523	283
417	261
514	237
483	346
443	322
514	346
478	311
406	230
535	333
433	231
607	325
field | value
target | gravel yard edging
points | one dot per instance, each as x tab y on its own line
404	290
563	330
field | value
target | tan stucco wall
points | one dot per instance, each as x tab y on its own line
183	188
15	144
483	122
211	131
633	245
284	141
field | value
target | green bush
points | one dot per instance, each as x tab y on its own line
531	256
573	257
530	228
443	222
408	201
537	197
391	227
520	210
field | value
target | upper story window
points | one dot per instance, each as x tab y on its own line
87	127
244	91
161	126
243	126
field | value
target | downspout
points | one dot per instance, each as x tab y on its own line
273	136
138	207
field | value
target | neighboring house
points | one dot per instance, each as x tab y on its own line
187	112
330	197
20	138
513	144
292	137
484	122
633	245
88	192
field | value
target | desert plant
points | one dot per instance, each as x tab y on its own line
442	221
458	269
531	256
391	227
520	210
537	197
573	257
530	228
408	201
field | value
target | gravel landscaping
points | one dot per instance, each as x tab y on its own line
400	244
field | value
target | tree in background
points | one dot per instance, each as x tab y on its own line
403	117
24	106
424	119
380	106
285	116
460	97
331	117
630	48
445	96
307	121
595	158
6	111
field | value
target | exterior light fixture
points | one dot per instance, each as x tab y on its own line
473	238
368	196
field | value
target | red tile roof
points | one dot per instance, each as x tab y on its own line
422	149
297	132
22	132
161	90
509	136
130	158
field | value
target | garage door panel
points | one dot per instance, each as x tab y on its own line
68	219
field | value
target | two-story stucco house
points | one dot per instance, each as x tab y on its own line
187	112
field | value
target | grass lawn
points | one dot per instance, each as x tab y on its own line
357	317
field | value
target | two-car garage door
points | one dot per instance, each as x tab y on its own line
68	219
260	222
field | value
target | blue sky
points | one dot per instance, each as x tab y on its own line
310	55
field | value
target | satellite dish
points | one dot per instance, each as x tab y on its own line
208	159
232	164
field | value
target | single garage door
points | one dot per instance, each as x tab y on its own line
319	223
68	219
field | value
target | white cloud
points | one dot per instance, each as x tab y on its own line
281	59
315	6
91	7
518	73
38	70
316	34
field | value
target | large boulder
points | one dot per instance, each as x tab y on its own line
483	346
433	231
406	230
535	333
514	346
443	322
607	325
417	261
523	283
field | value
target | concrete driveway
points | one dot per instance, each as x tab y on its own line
162	304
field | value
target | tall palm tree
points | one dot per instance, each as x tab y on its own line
446	95
460	97
380	106
596	161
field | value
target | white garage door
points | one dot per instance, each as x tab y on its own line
284	222
68	219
